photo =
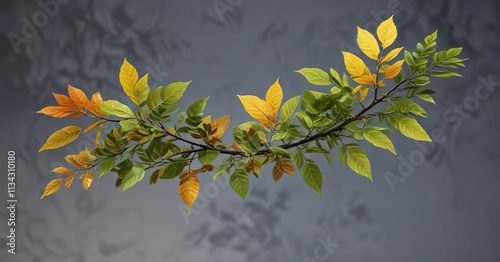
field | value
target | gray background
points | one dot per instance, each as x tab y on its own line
447	210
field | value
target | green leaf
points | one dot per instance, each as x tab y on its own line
358	161
315	76
304	120
255	142
166	97
409	59
206	157
406	106
218	174
154	98
312	175
141	89
239	183
453	51
298	158
313	102
105	166
409	127
446	74
129	124
196	109
172	170
131	178
343	155
336	77
426	97
280	151
113	107
173	93
278	136
289	107
378	139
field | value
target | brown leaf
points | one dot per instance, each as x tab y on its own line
287	166
277	172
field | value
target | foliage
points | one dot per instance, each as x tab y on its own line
151	137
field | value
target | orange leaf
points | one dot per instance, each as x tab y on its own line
92	126
95	105
79	98
69	181
63	100
219	125
189	187
52	187
393	70
59	111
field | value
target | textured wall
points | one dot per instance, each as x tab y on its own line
447	209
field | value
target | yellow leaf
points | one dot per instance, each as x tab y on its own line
368	44
60	111
206	119
87	179
391	55
82	160
357	89
357	69
287	166
277	172
363	90
98	133
92	126
219	126
387	32
62	170
69	181
274	96
128	77
189	187
79	98
393	70
52	187
364	94
61	137
257	108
